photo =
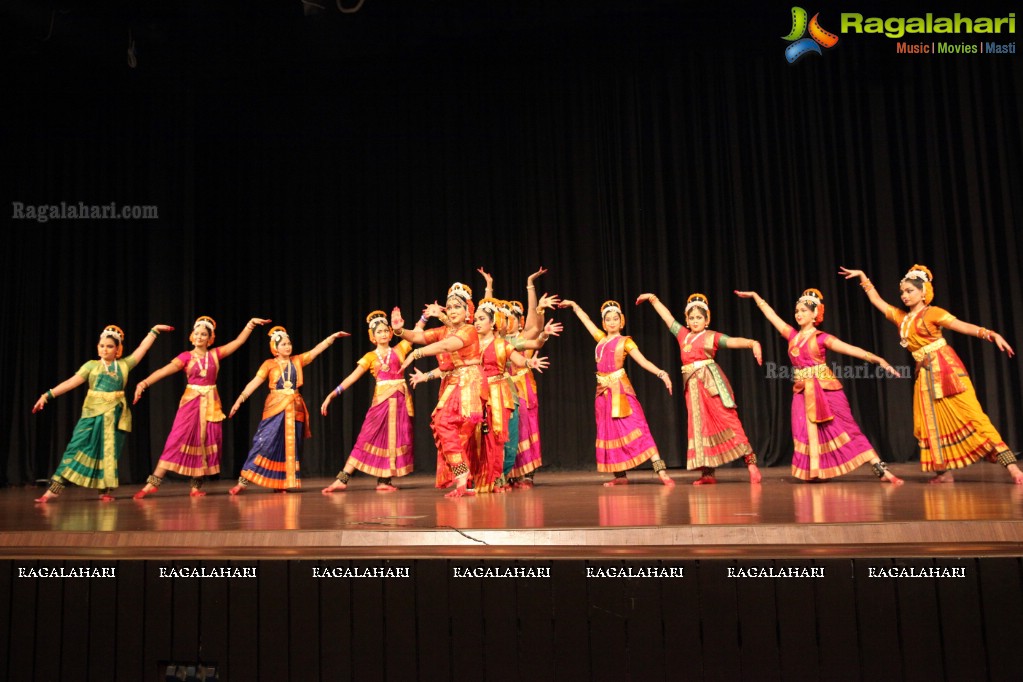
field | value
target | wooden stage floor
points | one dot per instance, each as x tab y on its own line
567	515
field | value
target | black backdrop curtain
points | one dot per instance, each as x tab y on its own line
311	170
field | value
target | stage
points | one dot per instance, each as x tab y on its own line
566	516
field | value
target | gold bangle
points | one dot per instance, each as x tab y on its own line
530	286
761	304
539	310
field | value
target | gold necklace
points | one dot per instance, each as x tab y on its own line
907	322
800	339
385	361
286	373
485	344
199	362
689	342
107	366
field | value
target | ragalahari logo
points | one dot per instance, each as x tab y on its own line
802	46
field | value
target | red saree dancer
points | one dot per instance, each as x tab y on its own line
459	409
716	436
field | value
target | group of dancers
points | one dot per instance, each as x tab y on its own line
486	426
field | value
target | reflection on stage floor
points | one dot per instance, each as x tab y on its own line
567	514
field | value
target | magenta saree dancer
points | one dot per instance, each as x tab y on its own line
196	438
195	442
384	445
826	438
623	436
529	457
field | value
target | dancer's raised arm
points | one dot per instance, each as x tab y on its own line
868	287
231	346
583	317
148	340
783	327
488	278
323	345
414	335
661	309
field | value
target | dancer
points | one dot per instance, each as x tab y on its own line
487	467
949	424
275	458
716	436
827	440
91	457
459	408
528	456
623	436
196	439
384	445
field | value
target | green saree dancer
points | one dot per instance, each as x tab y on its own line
90	459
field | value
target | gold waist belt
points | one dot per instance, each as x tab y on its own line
106	394
920	355
285	391
605	380
815	372
201	390
459	371
693	366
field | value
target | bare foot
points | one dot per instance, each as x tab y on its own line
237	490
705	480
105	497
754	474
47	496
620	480
386	488
892	478
1017	475
942	477
281	492
150	488
336	485
460	491
666	479
195	492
